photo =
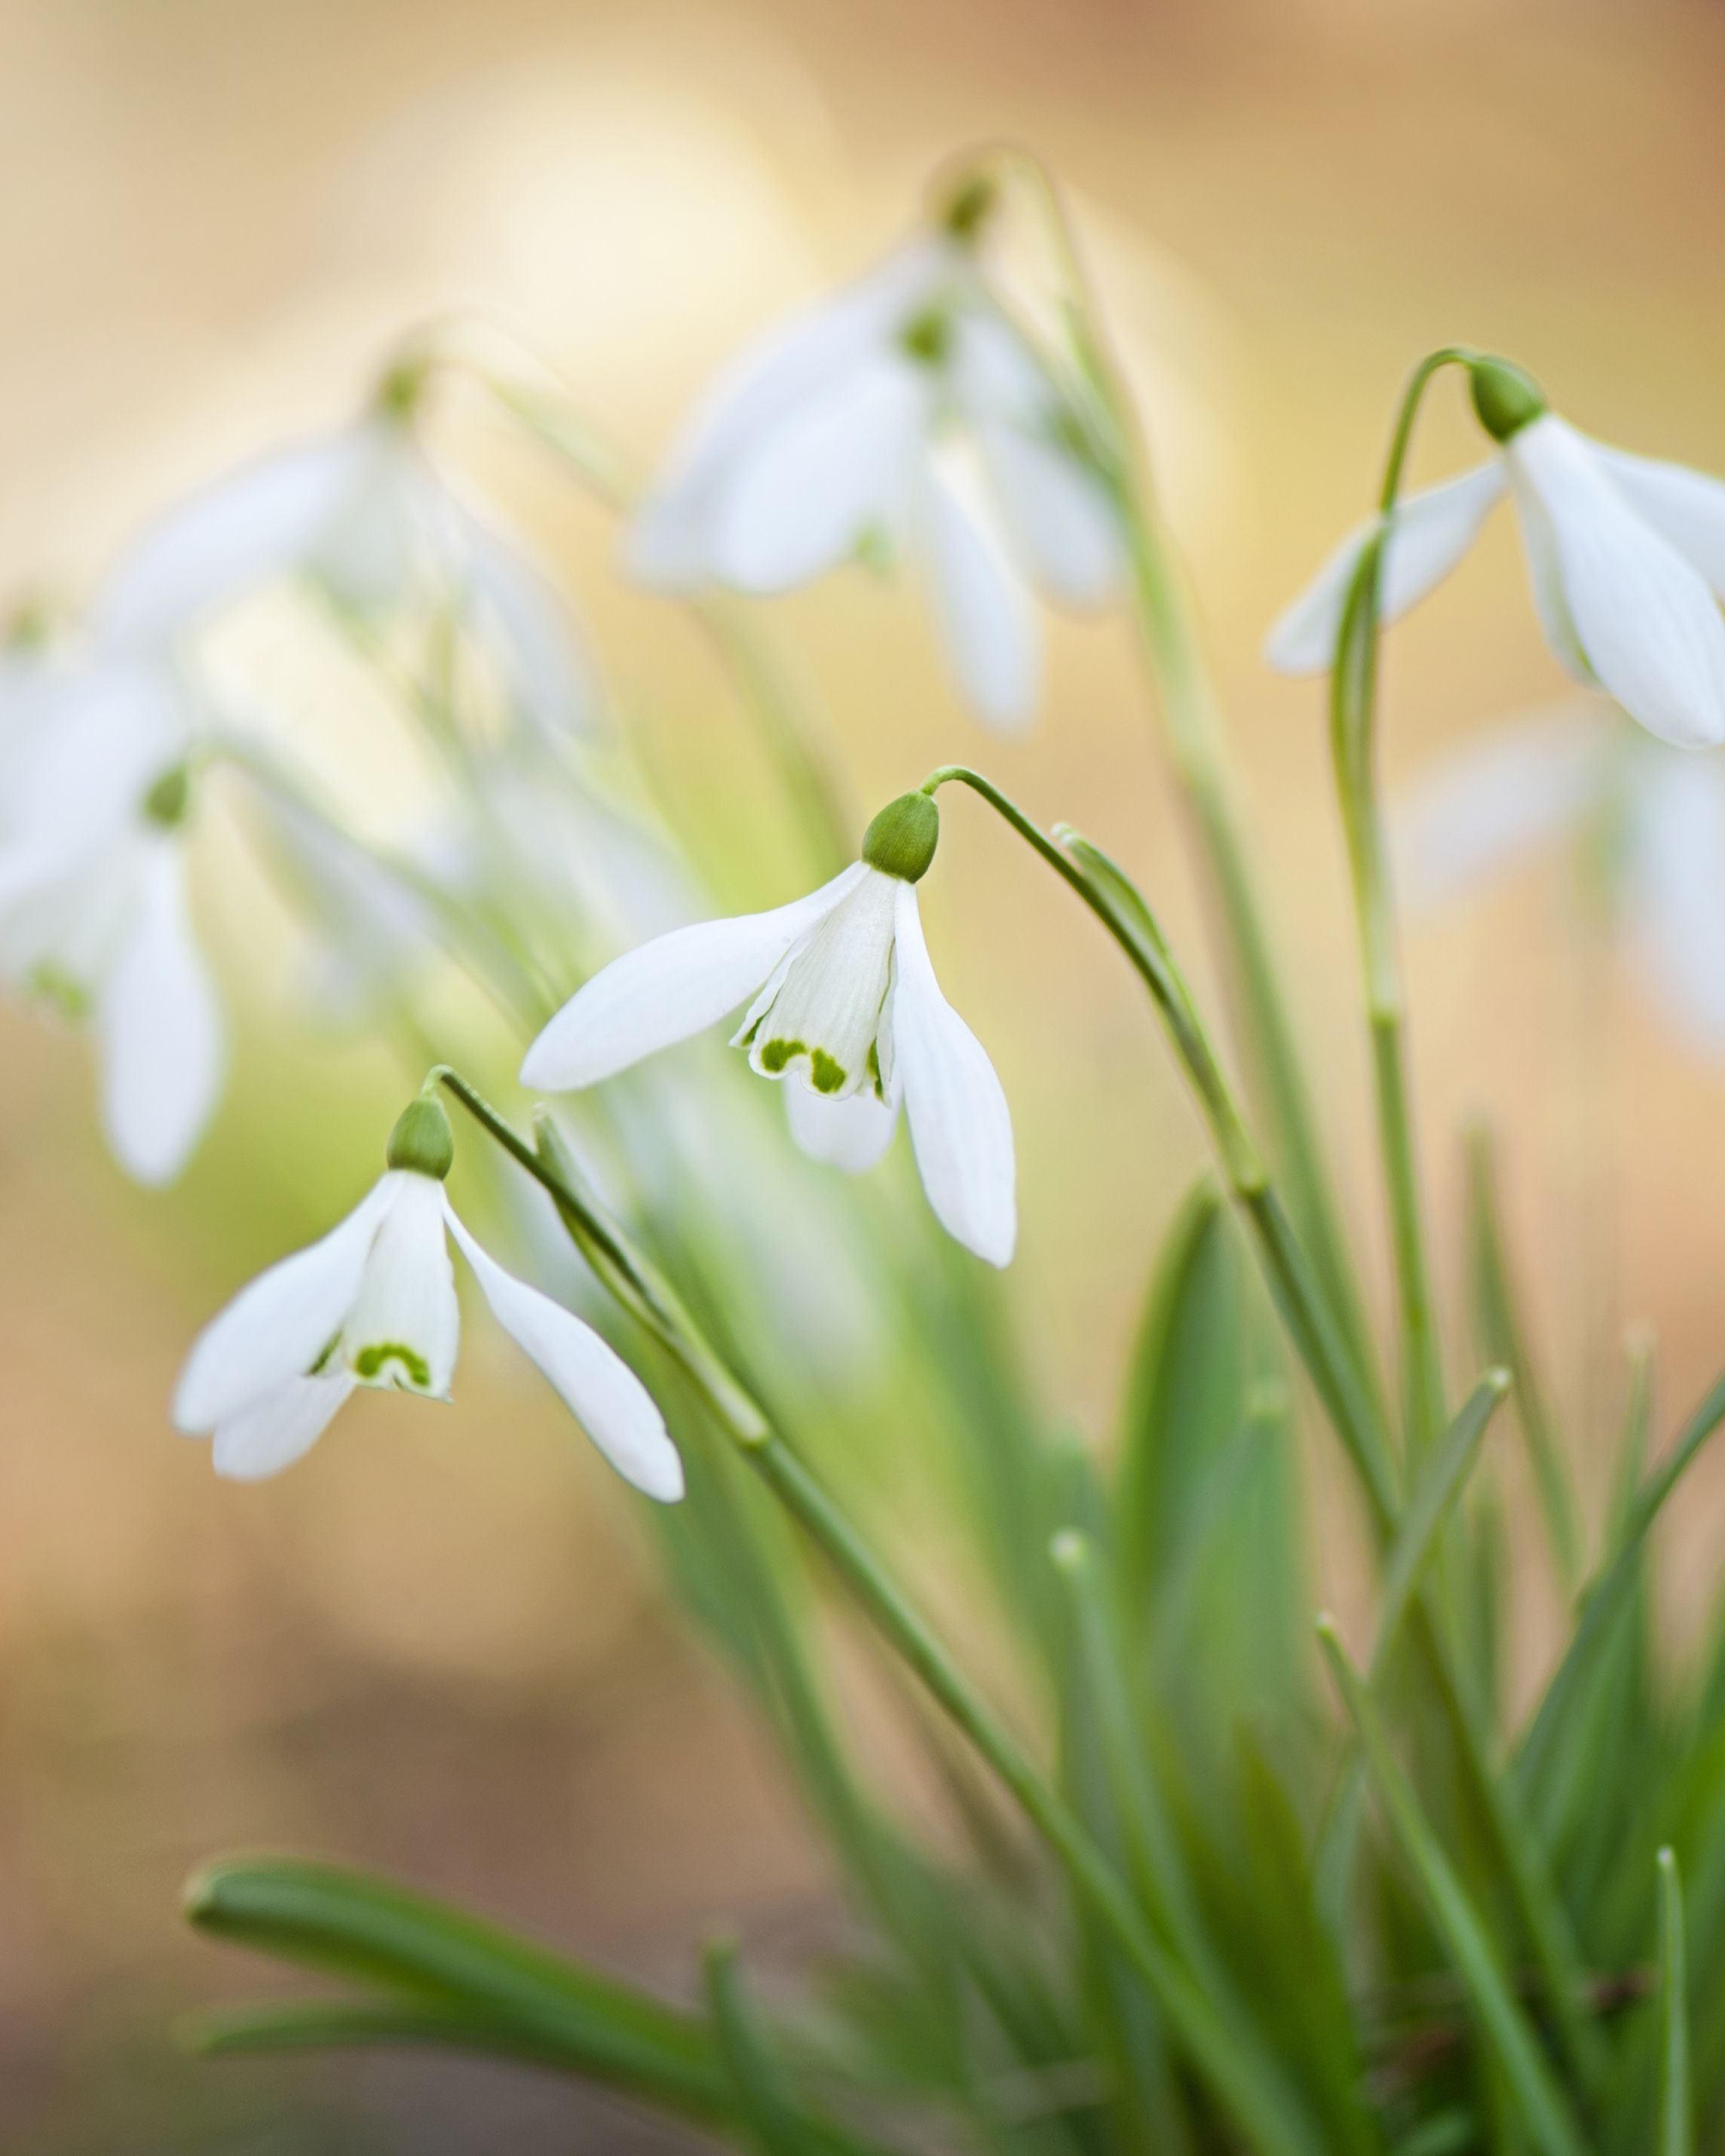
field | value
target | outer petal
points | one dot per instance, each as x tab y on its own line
852	1133
671	539
669	988
986	623
1687	507
1433	531
547	670
959	1122
279	1326
158	1029
594	1382
798	500
280	1428
1646	619
1475	812
1676	889
1063	525
258	523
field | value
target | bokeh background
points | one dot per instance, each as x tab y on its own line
438	1645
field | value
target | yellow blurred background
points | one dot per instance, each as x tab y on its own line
436	1646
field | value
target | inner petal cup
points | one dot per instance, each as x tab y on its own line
819	1014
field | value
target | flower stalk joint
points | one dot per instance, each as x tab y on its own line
1506	397
421	1140
902	839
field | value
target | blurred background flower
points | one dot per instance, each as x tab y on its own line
217	223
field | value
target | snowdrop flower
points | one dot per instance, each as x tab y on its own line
363	512
1626	557
374	1303
94	919
1655	820
849	1011
907	414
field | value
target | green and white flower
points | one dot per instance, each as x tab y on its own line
907	415
1626	557
846	1005
374	1303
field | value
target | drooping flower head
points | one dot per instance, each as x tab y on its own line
374	1303
1626	556
906	416
845	1011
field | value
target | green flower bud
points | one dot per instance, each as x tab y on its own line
901	840
422	1139
1506	397
970	206
399	394
166	802
927	338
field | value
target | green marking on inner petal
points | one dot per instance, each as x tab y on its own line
778	1054
874	1070
828	1075
327	1356
51	985
369	1363
927	338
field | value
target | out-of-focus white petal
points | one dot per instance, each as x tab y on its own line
405	1325
1648	623
1675	889
158	1028
1473	812
547	670
594	1382
1687	507
799	500
1064	526
280	1428
986	624
960	1125
257	524
100	734
278	1326
671	539
1545	580
852	1133
1433	529
669	988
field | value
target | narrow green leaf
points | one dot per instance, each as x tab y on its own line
349	1924
1439	1486
1676	2130
324	2024
1545	2113
754	2076
1502	1339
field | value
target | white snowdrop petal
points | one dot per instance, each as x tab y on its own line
547	670
1433	529
158	1028
671	539
273	1432
960	1124
1684	506
1477	810
99	737
815	1020
405	1325
278	1326
986	624
1545	581
1063	525
253	526
1676	889
801	498
668	989
1646	619
594	1382
852	1132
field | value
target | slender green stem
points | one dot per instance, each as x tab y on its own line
1353	692
1252	2090
1676	2128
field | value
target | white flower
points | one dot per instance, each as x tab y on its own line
1658	817
363	512
374	1303
844	1002
909	413
1626	557
93	909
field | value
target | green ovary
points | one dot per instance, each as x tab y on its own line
370	1363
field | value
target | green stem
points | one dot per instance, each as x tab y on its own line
1264	2107
1353	693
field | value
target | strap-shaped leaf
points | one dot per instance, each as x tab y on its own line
1676	2129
